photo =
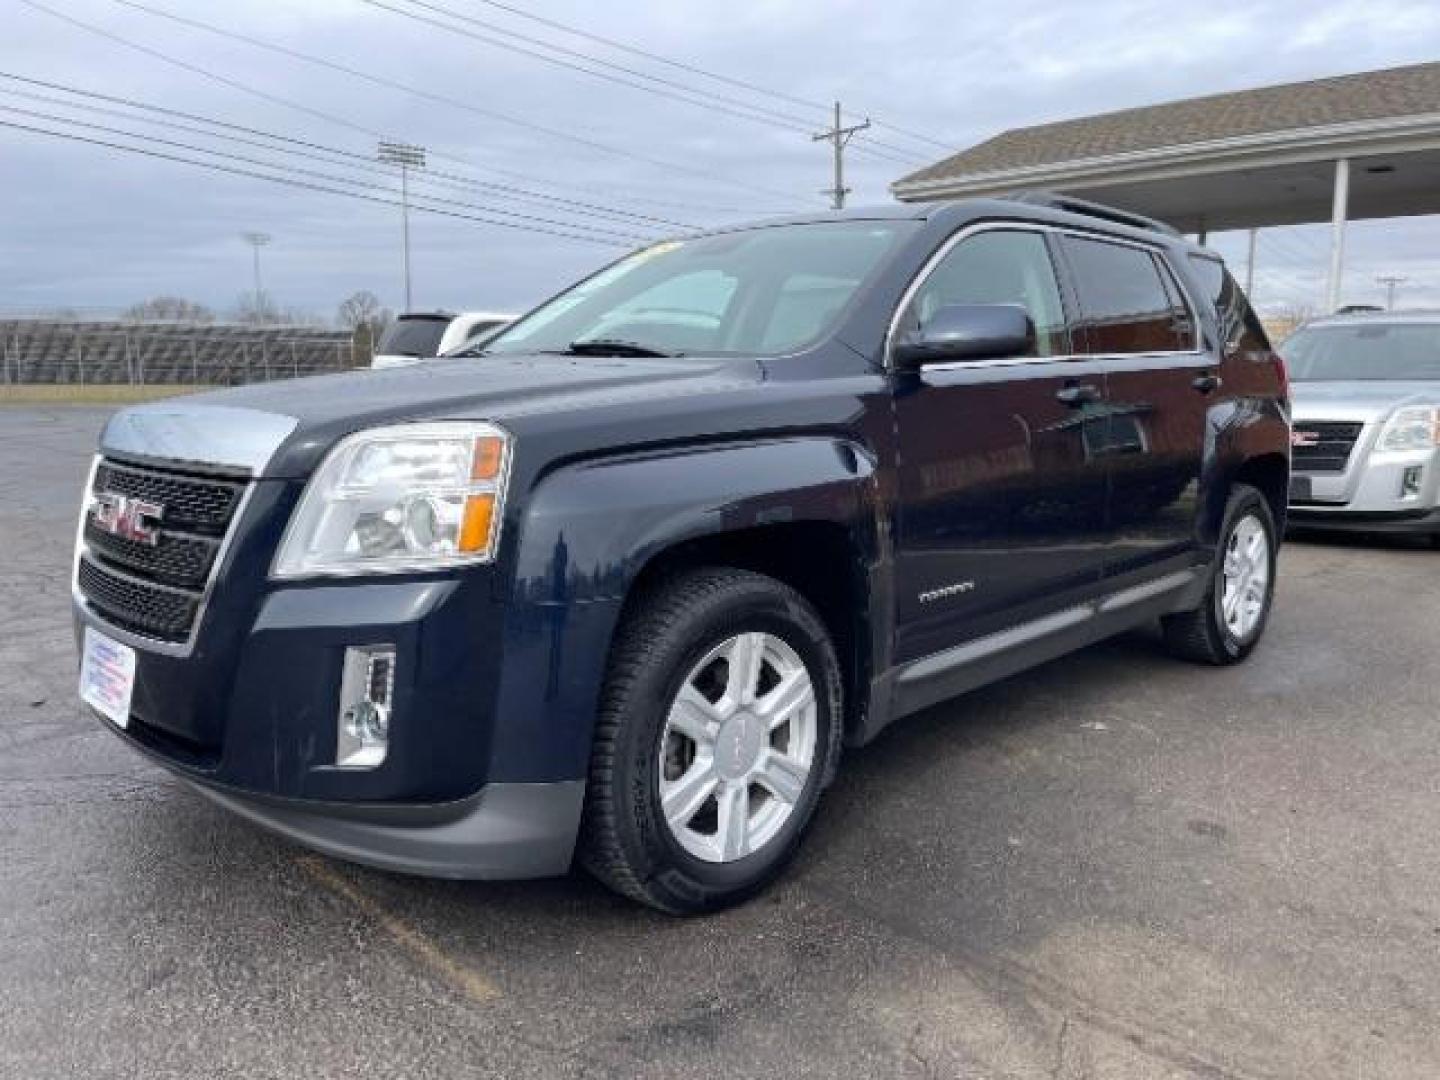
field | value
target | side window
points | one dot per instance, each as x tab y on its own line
1003	266
1238	322
1124	303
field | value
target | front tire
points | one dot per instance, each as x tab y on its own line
1228	623
719	727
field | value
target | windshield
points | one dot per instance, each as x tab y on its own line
1369	352
761	292
413	337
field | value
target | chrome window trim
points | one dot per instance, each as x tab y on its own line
1003	225
130	637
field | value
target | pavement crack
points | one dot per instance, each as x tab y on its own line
1060	1048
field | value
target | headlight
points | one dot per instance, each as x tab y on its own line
394	499
1415	427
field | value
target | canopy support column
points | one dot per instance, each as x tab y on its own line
1339	212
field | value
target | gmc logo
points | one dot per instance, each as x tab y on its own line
130	519
1304	439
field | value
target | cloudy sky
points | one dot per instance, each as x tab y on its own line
516	138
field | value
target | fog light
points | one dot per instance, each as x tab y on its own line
1410	482
367	695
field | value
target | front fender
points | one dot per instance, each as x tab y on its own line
588	530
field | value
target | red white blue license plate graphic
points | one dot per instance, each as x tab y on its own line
107	676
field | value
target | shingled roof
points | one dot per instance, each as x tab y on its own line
1371	95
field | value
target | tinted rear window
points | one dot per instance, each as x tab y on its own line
413	337
1124	305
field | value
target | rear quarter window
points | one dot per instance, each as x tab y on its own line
1239	326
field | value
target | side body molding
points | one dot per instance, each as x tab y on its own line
585	533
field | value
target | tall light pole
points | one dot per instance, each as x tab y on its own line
257	240
1390	281
407	157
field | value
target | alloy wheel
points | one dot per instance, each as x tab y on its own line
738	747
1245	577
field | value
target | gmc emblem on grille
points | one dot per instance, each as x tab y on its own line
1304	439
127	518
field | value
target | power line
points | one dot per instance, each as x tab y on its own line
245	88
288	182
328	178
439	179
694	69
416	91
688	94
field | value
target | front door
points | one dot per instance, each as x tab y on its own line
1002	497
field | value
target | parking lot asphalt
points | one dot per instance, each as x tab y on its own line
1113	866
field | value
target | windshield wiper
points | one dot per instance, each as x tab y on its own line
614	347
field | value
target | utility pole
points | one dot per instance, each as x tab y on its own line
1390	281
839	137
257	240
407	157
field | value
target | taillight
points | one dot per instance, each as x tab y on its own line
1283	375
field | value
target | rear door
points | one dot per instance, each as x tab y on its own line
1136	317
1002	502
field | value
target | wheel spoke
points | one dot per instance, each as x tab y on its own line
1231	604
695	717
793	693
682	799
744	660
732	834
782	776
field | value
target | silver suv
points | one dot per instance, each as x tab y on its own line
1366	423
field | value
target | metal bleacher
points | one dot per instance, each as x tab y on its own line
54	350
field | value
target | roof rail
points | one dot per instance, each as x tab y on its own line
1056	201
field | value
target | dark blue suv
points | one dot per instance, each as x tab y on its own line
621	587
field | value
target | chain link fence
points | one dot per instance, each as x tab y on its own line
116	353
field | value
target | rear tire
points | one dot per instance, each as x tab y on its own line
719	726
1228	623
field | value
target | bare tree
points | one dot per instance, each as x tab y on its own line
170	309
1281	320
366	318
261	310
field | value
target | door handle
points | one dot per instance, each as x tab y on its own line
1207	383
1077	394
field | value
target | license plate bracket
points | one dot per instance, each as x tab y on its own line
107	676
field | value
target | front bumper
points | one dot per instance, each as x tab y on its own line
502	832
505	831
1379	491
1394	522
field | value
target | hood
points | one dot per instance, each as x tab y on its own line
1360	399
281	429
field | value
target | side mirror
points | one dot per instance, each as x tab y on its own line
966	332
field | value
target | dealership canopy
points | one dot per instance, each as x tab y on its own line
1354	146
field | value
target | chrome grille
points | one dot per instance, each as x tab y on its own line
156	589
201	505
1330	452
